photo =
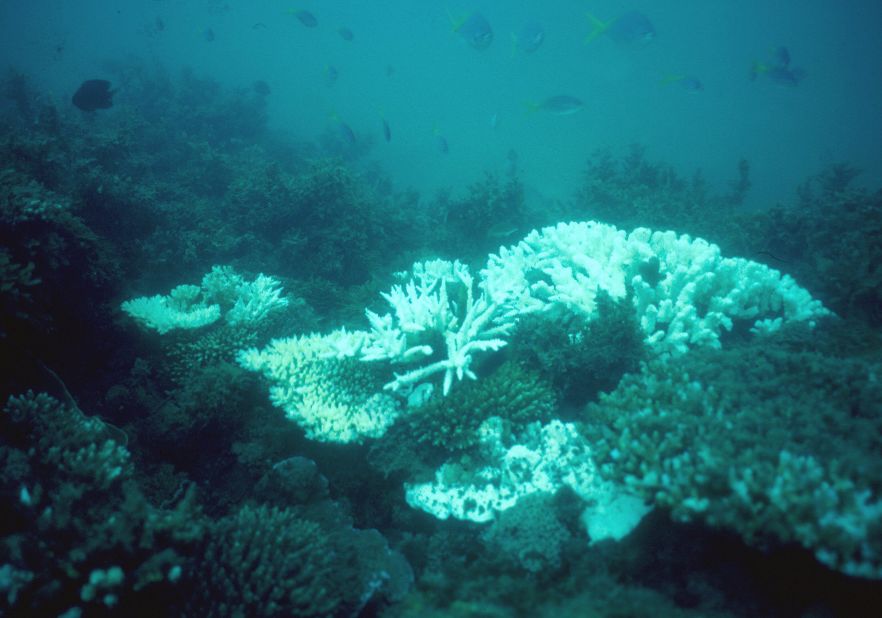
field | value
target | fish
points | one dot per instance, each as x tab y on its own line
387	132
208	35
781	55
559	105
785	76
440	141
498	231
475	29
331	75
686	82
528	39
93	94
261	87
304	17
345	131
778	70
631	28
345	33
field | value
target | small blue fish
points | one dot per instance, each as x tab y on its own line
331	75
440	141
560	105
778	70
529	39
304	17
632	28
345	33
346	132
475	29
785	76
208	35
781	55
686	82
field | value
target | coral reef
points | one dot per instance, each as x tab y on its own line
79	534
776	444
266	562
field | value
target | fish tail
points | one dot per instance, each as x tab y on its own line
598	27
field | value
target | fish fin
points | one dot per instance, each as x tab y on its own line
671	79
757	69
598	27
455	22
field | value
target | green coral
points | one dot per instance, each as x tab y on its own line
265	562
78	531
428	434
530	534
582	356
775	442
828	241
631	191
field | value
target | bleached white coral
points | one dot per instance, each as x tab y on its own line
182	308
319	383
437	304
255	300
223	291
545	459
684	292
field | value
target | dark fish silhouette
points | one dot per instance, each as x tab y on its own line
304	17
93	94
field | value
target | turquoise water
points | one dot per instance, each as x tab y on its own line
442	84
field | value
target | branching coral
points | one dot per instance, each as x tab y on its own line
78	532
191	306
781	446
